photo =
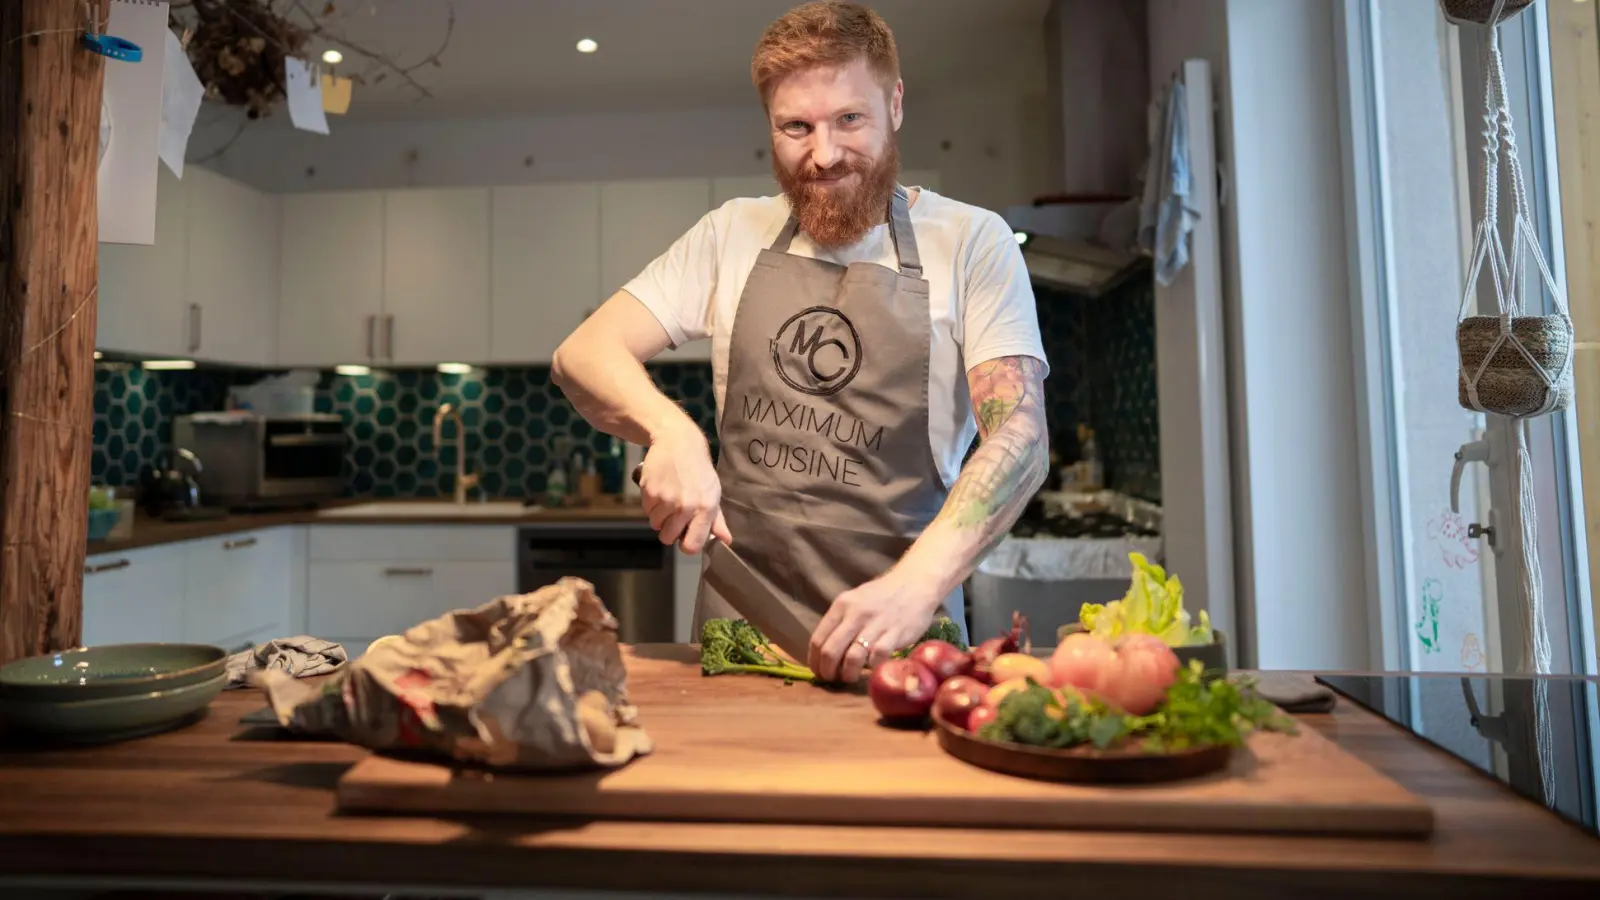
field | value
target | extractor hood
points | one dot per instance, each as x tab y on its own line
1077	266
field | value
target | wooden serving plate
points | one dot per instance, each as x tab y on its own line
1079	764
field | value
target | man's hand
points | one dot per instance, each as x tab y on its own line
680	490
887	613
1009	465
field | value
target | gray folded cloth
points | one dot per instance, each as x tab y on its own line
301	656
1294	692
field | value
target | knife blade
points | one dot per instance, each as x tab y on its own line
753	598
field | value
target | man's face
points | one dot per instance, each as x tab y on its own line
834	150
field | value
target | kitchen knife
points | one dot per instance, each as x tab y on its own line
751	596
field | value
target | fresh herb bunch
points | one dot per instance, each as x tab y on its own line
735	647
1196	713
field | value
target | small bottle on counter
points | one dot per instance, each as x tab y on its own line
555	485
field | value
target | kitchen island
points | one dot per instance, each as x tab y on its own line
224	803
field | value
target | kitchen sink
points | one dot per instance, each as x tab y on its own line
403	509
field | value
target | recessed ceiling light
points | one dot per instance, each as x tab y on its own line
455	368
353	370
332	57
168	364
587	46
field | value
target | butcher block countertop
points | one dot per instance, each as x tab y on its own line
223	802
149	531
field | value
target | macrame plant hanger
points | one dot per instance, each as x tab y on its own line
1515	364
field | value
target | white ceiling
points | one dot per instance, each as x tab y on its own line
518	57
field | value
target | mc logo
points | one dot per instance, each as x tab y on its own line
817	351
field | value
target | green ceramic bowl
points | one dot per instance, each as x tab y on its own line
109	670
111	718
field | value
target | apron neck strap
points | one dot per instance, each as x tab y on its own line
905	243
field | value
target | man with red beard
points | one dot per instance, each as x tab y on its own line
861	334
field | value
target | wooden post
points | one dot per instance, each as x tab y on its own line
50	90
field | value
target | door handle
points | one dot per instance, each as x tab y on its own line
239	544
106	567
194	327
372	337
1470	452
388	337
402	570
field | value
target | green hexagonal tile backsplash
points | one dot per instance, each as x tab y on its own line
1102	358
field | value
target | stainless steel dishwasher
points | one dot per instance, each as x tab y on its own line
626	562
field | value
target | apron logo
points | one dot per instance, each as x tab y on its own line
817	351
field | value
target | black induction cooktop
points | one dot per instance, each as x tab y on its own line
1534	734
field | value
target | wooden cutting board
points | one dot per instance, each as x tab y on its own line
752	749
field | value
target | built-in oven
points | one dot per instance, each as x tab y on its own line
252	461
631	570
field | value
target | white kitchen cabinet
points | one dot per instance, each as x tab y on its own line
135	596
436	276
639	221
545	267
239	588
140	302
367	581
369	599
330	292
231	286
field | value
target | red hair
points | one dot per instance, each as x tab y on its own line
826	33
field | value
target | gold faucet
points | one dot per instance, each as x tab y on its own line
464	482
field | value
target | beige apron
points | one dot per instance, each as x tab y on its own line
826	470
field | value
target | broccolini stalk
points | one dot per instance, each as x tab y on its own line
734	646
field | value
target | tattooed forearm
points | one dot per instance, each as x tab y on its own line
999	478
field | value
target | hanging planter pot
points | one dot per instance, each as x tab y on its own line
1479	12
1516	366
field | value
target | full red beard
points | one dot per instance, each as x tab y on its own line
837	215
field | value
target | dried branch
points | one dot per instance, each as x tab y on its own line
239	46
318	29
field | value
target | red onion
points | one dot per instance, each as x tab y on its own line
957	698
902	689
943	658
1012	641
980	717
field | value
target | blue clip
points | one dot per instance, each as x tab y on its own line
113	47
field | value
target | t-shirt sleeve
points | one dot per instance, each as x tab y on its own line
999	314
677	285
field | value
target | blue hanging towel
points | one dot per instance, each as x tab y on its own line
1165	216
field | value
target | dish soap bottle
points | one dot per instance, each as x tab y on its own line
555	485
1091	475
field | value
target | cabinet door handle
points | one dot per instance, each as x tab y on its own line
372	337
388	337
403	570
194	327
106	567
241	542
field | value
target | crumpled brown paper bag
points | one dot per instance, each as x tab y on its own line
531	681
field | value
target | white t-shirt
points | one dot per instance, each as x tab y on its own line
980	297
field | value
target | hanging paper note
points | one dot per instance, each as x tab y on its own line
305	96
181	93
132	103
335	94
